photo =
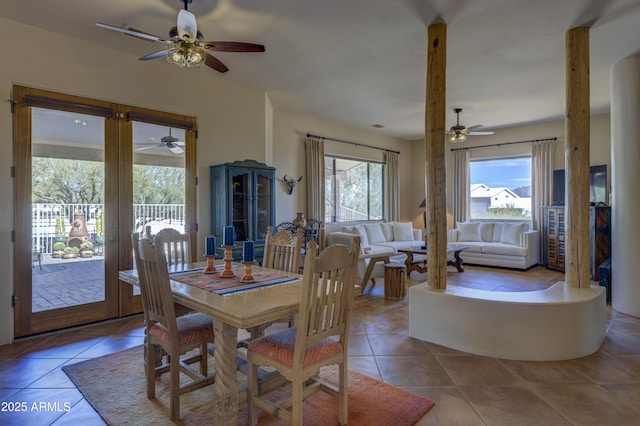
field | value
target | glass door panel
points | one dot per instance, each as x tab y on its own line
158	179
240	205
264	200
68	197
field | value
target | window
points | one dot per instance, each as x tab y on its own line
353	190
501	188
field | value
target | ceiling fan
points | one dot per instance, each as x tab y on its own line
185	45
170	142
459	133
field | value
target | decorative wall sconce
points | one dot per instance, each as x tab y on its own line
291	183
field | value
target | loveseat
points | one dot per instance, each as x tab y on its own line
504	244
380	242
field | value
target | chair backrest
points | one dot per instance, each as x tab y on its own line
175	246
282	251
155	288
327	294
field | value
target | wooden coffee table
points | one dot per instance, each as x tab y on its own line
421	265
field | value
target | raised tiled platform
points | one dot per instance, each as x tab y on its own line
553	324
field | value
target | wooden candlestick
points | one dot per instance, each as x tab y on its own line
247	278
228	258
210	269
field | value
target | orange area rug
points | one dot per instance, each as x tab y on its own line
115	386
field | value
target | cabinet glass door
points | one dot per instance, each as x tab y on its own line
264	200
240	204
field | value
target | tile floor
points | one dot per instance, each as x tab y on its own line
601	389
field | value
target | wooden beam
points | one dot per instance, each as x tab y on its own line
577	128
436	194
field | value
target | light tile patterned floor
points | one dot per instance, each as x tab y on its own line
601	389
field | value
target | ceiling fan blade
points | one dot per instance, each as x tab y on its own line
475	130
187	27
148	147
154	55
132	33
213	62
231	46
175	149
481	133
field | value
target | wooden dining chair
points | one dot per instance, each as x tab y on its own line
175	246
320	339
282	251
176	249
175	336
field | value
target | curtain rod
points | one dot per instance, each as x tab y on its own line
505	143
309	135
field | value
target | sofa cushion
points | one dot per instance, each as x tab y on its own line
511	233
497	232
504	249
469	231
374	233
474	246
387	230
486	231
357	230
402	231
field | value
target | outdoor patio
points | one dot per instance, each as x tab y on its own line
67	282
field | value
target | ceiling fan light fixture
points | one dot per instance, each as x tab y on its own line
457	136
186	55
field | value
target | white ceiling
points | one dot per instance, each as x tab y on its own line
362	62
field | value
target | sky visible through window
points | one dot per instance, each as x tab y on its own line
510	173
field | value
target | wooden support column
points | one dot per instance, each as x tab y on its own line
435	165
577	128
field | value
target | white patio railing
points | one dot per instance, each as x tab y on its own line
43	219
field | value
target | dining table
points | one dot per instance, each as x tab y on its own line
233	305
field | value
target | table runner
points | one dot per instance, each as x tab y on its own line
225	286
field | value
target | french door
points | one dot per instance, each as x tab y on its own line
75	206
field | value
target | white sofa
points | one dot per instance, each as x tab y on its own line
380	244
504	244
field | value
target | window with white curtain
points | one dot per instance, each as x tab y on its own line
500	188
354	189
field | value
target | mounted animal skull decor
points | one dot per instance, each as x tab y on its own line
291	183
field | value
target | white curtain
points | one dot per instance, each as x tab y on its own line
542	154
393	186
461	184
315	182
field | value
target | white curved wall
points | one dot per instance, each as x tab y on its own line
558	323
625	167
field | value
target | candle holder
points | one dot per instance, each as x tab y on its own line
228	258
247	278
210	269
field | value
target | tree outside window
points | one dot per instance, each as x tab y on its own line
353	190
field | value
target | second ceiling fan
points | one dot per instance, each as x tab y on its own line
185	45
459	133
170	142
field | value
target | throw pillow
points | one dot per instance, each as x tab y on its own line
387	230
374	233
486	231
402	231
357	230
469	231
511	233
